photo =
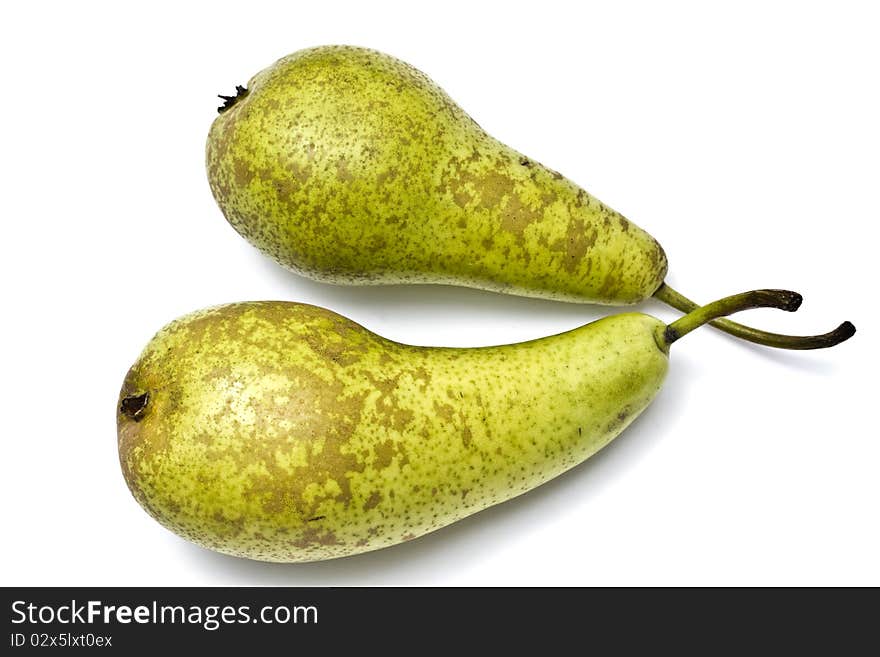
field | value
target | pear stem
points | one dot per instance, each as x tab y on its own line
843	332
782	299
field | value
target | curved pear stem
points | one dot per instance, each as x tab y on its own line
843	332
782	299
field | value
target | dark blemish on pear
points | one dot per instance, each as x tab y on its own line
134	407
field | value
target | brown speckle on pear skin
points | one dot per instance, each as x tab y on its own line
324	171
284	432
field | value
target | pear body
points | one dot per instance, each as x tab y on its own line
349	166
284	432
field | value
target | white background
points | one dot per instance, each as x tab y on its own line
745	139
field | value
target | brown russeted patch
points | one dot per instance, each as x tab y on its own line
579	239
444	411
493	187
243	172
516	216
310	536
373	500
384	452
387	405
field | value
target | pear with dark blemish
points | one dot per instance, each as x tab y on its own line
284	432
349	166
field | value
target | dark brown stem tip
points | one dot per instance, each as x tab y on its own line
782	299
842	333
135	406
790	301
229	101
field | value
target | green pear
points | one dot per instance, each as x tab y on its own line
350	166
284	432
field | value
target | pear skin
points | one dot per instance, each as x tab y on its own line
284	432
347	165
